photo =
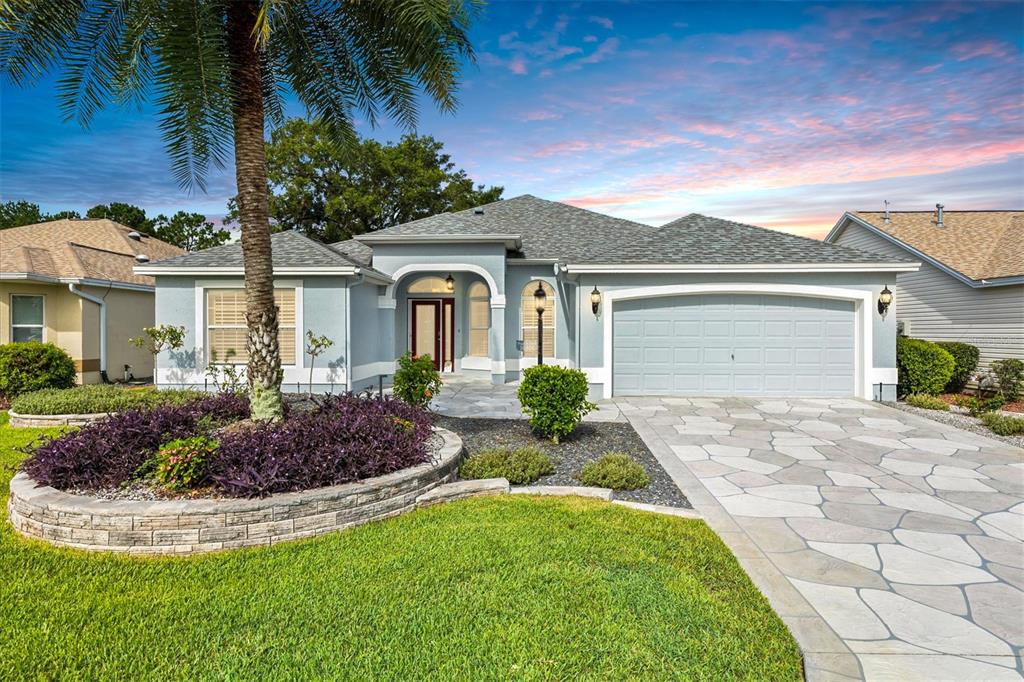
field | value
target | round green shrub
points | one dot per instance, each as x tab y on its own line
927	402
615	470
555	399
30	366
923	366
95	398
416	380
520	466
965	358
1010	375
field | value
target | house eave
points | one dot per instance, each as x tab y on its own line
738	267
83	281
512	242
154	270
956	274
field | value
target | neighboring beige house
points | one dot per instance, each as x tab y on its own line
970	287
70	282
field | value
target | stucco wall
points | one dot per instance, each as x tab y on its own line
323	310
62	321
127	313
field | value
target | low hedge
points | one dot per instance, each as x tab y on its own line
927	402
520	466
923	366
965	359
1002	424
93	399
555	399
30	365
615	470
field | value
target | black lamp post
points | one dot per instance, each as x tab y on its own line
540	299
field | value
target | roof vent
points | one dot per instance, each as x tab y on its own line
938	215
141	258
478	210
135	235
886	219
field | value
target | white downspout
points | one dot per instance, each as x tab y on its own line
73	288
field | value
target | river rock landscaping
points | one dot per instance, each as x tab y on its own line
586	444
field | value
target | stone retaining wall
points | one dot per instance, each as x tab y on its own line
44	420
193	526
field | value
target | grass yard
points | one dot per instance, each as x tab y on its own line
494	588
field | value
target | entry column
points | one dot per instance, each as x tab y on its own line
497	340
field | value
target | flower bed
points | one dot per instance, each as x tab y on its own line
196	525
344	439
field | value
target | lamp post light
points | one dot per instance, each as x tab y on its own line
540	299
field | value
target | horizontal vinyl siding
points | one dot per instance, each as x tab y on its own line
939	307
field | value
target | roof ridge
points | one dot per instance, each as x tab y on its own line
326	247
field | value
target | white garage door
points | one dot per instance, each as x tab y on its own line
732	344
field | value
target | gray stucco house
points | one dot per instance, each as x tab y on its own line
970	287
700	306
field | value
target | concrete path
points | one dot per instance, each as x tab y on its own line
471	396
891	545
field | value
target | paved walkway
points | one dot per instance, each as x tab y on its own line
891	545
465	396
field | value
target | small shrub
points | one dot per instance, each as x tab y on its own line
923	366
182	463
555	398
1002	424
109	452
1010	375
416	380
965	360
520	466
927	402
97	398
30	365
615	470
978	406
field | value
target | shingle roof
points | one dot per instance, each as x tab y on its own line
356	250
79	249
699	239
289	249
978	244
549	229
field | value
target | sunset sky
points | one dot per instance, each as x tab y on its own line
781	115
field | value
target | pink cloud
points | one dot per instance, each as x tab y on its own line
980	48
590	38
540	115
603	21
517	65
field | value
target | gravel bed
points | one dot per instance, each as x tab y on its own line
587	443
961	421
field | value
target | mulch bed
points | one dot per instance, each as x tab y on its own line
587	443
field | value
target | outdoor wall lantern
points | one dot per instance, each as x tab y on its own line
884	301
449	282
595	299
541	300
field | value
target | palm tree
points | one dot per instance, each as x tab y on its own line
218	71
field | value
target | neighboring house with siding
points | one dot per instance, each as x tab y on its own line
70	283
701	306
970	287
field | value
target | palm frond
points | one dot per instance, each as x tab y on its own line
34	35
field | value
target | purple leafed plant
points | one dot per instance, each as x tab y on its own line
108	452
346	439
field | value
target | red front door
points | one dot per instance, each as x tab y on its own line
432	325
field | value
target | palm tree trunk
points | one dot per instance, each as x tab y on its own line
264	367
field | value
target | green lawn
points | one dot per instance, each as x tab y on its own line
494	588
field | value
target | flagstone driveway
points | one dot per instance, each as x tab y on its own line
905	536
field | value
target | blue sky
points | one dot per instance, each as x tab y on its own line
778	114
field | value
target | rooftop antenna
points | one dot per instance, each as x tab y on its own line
938	216
886	202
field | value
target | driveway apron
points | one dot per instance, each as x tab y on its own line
892	546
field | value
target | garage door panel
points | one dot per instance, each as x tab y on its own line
733	345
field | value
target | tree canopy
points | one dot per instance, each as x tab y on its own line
331	194
190	231
18	213
126	214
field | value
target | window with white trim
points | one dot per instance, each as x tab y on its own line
479	320
26	318
226	331
528	313
429	285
